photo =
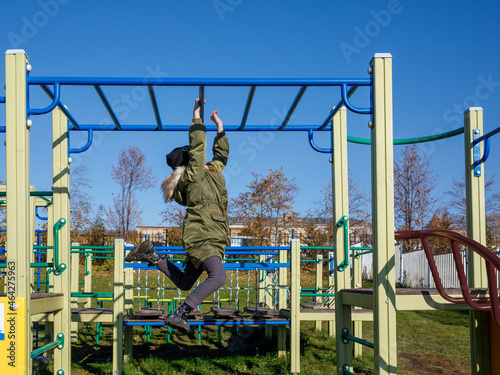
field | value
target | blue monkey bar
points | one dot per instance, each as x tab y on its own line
347	87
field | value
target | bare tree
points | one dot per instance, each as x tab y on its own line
81	204
263	209
132	175
413	186
174	216
457	201
493	223
492	204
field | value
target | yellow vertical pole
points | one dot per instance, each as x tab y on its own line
476	229
340	203
18	244
295	306
282	284
118	307
61	210
319	284
384	273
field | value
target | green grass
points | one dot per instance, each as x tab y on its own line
427	342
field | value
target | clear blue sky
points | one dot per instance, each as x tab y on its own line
445	58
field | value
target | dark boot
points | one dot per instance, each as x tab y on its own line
145	252
178	319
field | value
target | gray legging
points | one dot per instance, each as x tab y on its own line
184	280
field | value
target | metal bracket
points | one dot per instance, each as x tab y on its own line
477	152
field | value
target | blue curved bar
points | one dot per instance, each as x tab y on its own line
38	215
316	148
345	99
335	109
172	81
486	153
55	102
49	92
90	133
2	99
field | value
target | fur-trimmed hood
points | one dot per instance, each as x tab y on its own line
169	184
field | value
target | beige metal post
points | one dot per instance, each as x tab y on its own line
384	274
295	307
476	229
129	305
319	284
75	288
61	210
19	245
118	307
282	292
31	230
340	209
357	278
331	289
87	280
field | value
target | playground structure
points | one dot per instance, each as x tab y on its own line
382	300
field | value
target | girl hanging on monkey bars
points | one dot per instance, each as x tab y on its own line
201	187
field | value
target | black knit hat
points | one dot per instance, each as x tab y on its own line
178	156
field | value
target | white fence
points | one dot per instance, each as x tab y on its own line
412	269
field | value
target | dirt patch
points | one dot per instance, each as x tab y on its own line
432	363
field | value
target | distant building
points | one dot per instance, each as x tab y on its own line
154	234
292	227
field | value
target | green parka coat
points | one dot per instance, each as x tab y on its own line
205	229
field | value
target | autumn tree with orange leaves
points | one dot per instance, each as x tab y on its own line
265	209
